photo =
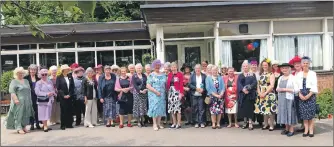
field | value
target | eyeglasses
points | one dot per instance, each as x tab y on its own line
44	75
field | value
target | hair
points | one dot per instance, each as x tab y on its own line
206	61
131	65
53	67
269	67
33	66
198	66
42	71
173	64
167	64
214	67
107	67
209	67
278	69
18	70
230	68
245	63
124	68
138	65
89	69
147	65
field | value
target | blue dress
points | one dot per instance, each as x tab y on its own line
307	108
157	104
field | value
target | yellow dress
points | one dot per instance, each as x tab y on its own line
268	104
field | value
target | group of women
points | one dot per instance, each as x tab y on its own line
204	95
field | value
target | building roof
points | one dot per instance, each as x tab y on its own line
78	28
226	11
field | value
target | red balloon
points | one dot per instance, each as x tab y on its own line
250	46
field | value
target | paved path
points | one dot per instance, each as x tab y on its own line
102	136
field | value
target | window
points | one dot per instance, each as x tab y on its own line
86	44
47	46
124	57
28	47
86	59
142	42
9	62
171	53
139	55
106	43
9	48
66	45
123	43
241	53
105	57
47	59
26	59
66	58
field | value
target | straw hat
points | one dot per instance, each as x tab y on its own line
274	62
65	66
114	67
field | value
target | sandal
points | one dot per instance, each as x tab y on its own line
244	126
236	125
160	127
229	126
218	127
250	127
265	127
155	128
21	132
26	131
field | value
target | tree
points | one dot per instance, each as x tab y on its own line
34	13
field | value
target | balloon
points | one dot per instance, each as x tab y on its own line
255	44
250	46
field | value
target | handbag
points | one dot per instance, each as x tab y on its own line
207	100
42	99
123	98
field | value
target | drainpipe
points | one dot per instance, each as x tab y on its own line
2	22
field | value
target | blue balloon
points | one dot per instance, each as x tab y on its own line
255	44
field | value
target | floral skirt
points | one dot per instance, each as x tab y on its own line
216	106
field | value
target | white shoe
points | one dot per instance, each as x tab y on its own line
196	126
91	126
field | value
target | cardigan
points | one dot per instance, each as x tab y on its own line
210	86
102	83
178	85
290	85
139	84
311	81
87	89
193	83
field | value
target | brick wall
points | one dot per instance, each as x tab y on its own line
325	80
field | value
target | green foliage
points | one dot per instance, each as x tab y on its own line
6	78
147	59
325	101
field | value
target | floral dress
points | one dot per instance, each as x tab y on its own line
231	103
306	108
217	105
157	104
268	104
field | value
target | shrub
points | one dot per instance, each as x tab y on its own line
325	101
5	81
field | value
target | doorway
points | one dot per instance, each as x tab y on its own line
192	55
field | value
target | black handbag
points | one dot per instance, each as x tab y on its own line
123	98
42	99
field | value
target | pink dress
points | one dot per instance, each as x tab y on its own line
42	88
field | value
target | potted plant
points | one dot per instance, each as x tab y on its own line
6	78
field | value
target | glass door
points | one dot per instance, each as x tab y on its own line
192	55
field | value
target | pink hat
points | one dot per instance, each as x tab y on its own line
78	69
98	66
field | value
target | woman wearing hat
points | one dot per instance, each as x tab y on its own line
247	94
55	112
186	103
308	86
107	95
116	70
46	94
266	102
79	104
156	83
20	110
65	87
223	71
286	89
32	79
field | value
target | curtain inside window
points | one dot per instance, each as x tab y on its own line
310	45
284	47
263	49
226	53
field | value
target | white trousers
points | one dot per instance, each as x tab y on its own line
91	113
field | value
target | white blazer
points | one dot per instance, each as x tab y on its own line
311	81
292	84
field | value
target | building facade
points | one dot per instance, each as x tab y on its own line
191	32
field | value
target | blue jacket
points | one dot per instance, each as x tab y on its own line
192	83
210	87
102	84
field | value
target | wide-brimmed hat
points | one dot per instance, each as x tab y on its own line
156	62
74	66
186	65
114	67
285	65
98	66
65	66
79	69
274	62
294	60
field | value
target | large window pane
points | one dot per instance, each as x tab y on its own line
241	53
26	59
142	42
9	47
123	43
9	62
106	43
139	55
105	57
171	53
123	57
86	59
47	59
66	58
66	45
27	47
86	44
47	46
